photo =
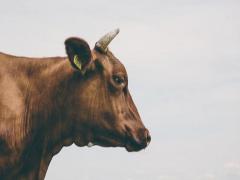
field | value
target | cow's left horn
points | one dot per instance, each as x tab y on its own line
103	43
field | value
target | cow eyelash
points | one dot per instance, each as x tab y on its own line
118	79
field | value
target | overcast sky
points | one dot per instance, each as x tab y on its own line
183	61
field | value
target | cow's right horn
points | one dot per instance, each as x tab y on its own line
103	43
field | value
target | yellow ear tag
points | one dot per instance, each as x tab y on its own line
76	62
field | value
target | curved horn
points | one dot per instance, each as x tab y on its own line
103	43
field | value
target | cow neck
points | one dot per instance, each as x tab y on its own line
49	103
48	114
58	126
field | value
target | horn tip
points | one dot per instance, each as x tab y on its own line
106	39
117	30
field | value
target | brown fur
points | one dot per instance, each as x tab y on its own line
46	103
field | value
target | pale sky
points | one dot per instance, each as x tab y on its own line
183	61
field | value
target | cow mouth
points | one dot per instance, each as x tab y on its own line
133	146
112	139
128	143
136	143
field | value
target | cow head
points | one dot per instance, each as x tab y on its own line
101	105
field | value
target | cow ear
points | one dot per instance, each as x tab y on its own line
79	53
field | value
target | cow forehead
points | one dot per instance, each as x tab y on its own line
110	62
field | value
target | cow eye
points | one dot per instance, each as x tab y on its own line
118	79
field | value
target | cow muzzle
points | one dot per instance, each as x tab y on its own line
137	140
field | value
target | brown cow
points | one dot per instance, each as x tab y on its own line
48	103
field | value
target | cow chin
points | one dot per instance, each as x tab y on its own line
134	148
